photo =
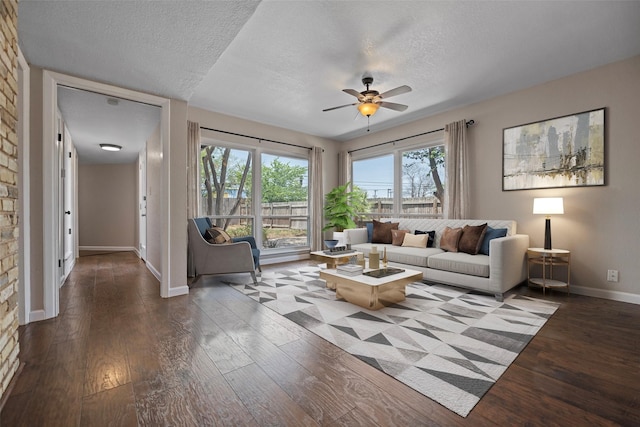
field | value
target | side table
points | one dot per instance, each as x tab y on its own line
548	259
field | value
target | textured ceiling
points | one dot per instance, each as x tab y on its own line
283	62
94	121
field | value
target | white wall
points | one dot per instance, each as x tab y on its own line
107	206
601	225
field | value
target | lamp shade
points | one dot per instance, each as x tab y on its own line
368	108
548	205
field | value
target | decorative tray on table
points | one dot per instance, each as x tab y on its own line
383	272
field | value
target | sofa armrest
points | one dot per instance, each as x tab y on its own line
507	261
355	236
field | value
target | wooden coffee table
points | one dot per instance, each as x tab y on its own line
369	292
333	260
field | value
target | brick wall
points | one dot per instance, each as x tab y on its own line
8	193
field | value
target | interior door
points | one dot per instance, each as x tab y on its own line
59	218
68	216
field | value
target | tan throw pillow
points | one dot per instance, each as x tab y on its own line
382	231
415	240
471	239
397	237
450	238
217	235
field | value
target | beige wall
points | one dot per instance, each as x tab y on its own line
601	225
107	205
9	347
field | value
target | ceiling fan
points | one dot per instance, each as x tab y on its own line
370	100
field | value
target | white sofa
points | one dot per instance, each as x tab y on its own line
496	273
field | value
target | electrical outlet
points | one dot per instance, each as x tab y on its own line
612	275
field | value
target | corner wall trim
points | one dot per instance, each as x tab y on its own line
36	315
181	290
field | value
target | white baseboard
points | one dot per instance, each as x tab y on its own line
181	290
108	248
36	316
606	294
154	271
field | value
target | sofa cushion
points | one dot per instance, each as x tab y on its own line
382	231
415	240
471	238
450	239
217	235
474	265
397	237
399	254
490	234
432	237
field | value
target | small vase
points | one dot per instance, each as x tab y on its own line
384	259
374	260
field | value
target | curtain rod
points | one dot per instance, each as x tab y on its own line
255	137
469	123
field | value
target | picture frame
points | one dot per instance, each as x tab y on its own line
566	151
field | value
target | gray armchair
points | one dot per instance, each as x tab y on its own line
207	258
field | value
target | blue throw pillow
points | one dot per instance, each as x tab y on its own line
432	236
369	231
489	234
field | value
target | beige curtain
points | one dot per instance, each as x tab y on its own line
317	199
344	167
193	154
457	184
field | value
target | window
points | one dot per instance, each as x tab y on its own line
375	177
247	190
423	181
403	183
285	201
225	188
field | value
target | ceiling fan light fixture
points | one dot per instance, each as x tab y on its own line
110	147
368	108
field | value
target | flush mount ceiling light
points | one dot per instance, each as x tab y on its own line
110	147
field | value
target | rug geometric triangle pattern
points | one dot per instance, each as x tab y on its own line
449	344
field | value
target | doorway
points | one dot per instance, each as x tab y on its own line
52	214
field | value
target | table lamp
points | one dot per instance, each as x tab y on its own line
548	206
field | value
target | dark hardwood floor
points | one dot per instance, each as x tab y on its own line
120	355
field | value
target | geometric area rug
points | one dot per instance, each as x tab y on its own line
449	344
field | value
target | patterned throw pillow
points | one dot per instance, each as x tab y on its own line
217	235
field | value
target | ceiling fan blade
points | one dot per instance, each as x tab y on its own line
354	93
342	106
393	92
393	106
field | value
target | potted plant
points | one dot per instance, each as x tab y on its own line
341	207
